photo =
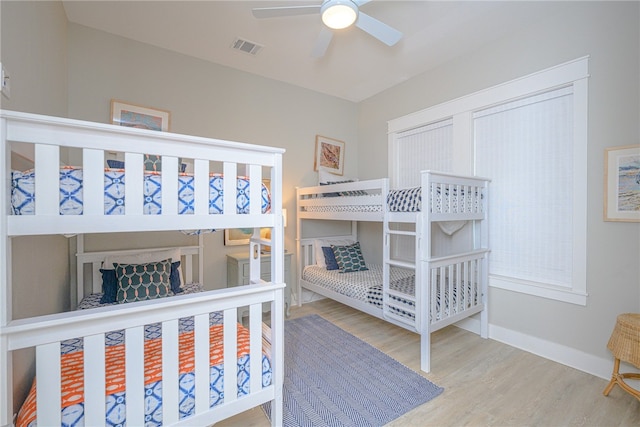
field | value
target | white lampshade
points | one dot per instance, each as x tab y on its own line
284	217
338	14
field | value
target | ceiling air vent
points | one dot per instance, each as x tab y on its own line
246	46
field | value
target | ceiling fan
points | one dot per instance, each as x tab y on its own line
336	15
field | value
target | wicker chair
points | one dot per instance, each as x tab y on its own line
625	346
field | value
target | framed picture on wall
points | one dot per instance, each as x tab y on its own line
137	116
622	183
237	236
329	155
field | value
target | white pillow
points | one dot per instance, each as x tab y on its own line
145	258
450	227
319	243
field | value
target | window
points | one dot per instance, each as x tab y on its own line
529	137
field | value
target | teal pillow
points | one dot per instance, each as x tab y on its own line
349	258
141	282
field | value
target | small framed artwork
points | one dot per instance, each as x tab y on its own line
242	236
237	236
329	155
137	116
622	183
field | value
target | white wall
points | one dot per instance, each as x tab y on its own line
609	33
213	101
33	50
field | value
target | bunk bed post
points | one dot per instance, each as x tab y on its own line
301	254
79	278
201	258
423	271
484	243
254	172
277	306
6	368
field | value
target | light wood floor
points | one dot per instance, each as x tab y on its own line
486	383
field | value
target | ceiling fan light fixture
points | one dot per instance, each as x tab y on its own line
339	14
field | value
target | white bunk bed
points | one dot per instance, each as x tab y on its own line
213	314
449	288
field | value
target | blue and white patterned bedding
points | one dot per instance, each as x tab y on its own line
355	284
71	196
410	200
73	415
367	286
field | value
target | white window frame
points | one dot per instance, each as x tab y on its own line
573	73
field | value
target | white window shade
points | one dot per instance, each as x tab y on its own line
526	147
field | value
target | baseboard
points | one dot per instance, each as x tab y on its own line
597	366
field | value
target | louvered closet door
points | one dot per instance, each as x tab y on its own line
428	147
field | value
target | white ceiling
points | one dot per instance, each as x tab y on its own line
356	65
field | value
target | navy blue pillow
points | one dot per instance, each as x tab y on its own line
109	286
174	278
330	258
110	283
115	164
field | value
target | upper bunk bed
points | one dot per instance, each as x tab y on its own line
450	198
52	143
221	188
347	201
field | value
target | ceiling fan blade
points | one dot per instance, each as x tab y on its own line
379	30
324	38
361	2
274	12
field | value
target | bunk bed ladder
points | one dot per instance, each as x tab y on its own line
391	307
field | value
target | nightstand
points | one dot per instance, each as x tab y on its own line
238	274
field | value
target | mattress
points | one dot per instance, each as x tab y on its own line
72	372
71	195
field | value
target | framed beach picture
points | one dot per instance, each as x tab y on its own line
329	155
137	116
622	183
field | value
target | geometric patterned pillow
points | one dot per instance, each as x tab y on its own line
140	282
349	258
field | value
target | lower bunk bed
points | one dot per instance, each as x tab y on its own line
454	287
169	352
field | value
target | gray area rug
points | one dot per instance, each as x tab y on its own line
332	378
